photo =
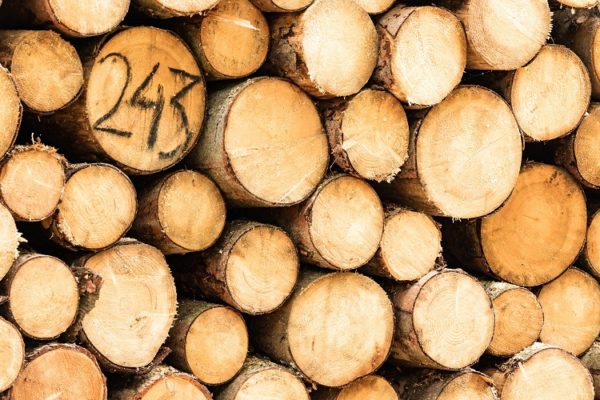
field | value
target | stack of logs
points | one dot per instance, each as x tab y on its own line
298	199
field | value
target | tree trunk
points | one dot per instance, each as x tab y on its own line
449	172
12	355
422	54
173	8
255	128
11	112
437	385
371	387
180	212
336	328
534	237
9	241
591	360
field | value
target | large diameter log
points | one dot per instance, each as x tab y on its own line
173	8
409	247
180	212
435	385
255	128
444	321
143	103
230	41
32	179
368	134
372	387
43	296
12	354
518	318
208	340
329	50
253	267
502	35
97	208
591	251
60	371
591	360
359	320
542	372
454	169
135	308
9	241
11	111
48	88
422	54
262	379
571	305
534	237
339	227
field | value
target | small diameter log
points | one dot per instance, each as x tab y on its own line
591	360
329	50
375	6
12	354
43	296
263	143
339	227
180	212
9	241
359	320
32	179
534	237
262	379
542	372
143	103
371	387
230	41
208	340
253	267
282	6
60	371
11	111
97	207
46	68
422	54
173	8
579	3
368	134
591	251
135	308
70	17
454	169
502	35
443	321
571	305
518	318
162	383
409	248
435	385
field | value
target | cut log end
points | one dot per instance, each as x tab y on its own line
592	246
375	6
9	241
282	5
469	385
12	354
74	18
434	385
173	8
372	387
579	3
11	111
591	360
586	147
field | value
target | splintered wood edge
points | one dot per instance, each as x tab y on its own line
11	111
13	354
79	19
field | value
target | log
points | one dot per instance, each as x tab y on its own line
262	379
253	267
571	305
339	227
11	111
409	248
43	296
254	128
329	50
422	54
47	89
180	212
437	385
579	3
97	207
72	18
142	106
173	8
230	41
534	237
164	383
64	371
449	172
374	7
502	35
591	360
32	180
208	340
336	328
444	321
132	313
368	134
518	318
12	355
9	241
282	6
372	387
542	372
591	252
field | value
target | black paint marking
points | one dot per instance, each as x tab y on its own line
137	100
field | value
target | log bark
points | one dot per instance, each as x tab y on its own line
173	8
9	241
590	256
254	128
591	360
534	237
208	340
437	385
449	172
372	387
359	320
12	355
282	6
180	212
422	54
11	112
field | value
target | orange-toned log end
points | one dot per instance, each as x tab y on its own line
372	387
12	354
11	111
436	385
591	252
